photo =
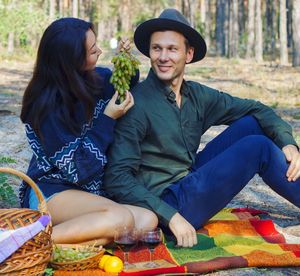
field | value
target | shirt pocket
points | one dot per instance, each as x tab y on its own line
193	133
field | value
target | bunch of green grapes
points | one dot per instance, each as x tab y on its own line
67	254
125	67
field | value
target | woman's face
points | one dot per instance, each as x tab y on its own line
92	51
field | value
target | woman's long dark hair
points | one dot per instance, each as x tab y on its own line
59	80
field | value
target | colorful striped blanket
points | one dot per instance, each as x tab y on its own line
234	238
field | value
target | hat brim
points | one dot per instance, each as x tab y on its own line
144	31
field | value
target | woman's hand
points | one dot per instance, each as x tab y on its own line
124	45
114	110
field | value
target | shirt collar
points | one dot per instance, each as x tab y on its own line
167	91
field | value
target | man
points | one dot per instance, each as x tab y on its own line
153	161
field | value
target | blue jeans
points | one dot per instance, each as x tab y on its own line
225	166
33	200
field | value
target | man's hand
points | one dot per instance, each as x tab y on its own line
292	155
183	231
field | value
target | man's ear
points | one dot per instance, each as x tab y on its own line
189	55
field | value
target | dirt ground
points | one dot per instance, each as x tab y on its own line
274	85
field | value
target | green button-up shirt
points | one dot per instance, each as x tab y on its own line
156	141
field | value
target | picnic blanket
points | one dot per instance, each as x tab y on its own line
234	238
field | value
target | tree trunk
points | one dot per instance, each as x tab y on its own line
178	5
220	27
66	8
10	44
204	18
233	30
202	12
208	23
82	13
242	17
186	9
52	6
61	8
226	26
125	17
283	34
250	29
258	33
192	12
289	22
296	33
75	8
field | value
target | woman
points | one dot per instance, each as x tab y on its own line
69	111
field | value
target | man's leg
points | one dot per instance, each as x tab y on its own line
204	192
245	126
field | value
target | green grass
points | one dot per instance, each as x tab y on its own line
7	193
6	160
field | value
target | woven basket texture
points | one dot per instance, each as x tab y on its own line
33	256
82	264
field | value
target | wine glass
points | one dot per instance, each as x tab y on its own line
125	238
152	238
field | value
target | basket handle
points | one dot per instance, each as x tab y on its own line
42	202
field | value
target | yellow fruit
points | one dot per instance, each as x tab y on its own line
103	260
113	264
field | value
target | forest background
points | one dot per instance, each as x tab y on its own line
253	52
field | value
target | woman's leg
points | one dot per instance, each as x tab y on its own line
79	216
144	218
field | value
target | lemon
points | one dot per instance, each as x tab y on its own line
103	260
113	264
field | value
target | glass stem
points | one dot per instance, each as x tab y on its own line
151	252
126	257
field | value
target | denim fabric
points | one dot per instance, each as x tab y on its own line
33	200
225	166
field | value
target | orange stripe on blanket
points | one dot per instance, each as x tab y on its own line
238	228
262	259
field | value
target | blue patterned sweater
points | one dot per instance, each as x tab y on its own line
66	161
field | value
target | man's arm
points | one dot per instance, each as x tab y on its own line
223	108
273	126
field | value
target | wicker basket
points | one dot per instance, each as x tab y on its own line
82	264
33	256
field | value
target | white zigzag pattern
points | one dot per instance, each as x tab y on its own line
42	162
98	109
66	157
96	151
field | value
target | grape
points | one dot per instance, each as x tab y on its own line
68	254
125	67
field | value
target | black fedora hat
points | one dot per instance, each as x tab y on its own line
169	19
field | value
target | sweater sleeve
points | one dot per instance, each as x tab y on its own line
77	158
